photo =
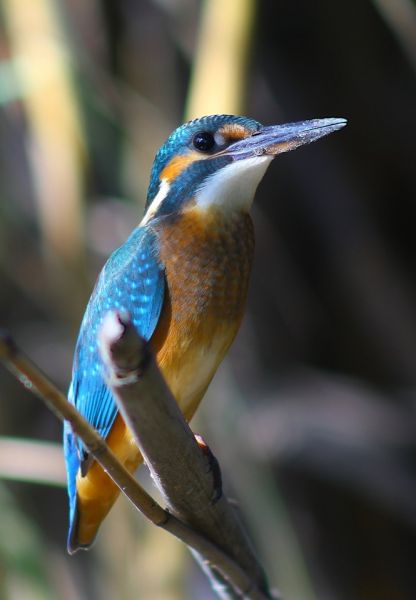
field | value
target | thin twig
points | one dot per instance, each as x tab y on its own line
40	385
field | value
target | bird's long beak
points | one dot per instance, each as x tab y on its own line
276	139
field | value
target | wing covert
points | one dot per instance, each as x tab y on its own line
132	280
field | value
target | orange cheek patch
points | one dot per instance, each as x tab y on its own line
233	132
178	164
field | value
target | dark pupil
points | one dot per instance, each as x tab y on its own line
204	141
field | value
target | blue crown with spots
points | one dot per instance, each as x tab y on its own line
180	141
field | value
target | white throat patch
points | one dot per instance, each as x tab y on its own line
233	187
157	201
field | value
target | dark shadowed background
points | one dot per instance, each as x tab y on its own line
313	415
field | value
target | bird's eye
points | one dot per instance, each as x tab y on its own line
204	141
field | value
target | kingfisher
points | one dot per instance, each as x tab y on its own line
183	276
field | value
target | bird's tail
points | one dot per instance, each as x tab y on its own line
95	495
92	495
72	467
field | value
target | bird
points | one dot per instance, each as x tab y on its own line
183	276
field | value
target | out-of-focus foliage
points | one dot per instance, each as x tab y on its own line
313	416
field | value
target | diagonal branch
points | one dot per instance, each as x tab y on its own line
206	527
180	469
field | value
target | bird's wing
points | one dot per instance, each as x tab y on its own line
132	280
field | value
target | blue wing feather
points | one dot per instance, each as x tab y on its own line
132	280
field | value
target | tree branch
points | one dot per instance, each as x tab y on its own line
180	469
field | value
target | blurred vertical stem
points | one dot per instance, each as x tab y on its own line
400	16
219	69
56	149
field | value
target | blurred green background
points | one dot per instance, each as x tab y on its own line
313	415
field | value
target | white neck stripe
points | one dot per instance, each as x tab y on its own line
157	201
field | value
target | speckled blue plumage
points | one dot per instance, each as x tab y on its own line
132	280
180	141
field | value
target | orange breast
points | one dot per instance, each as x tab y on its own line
207	256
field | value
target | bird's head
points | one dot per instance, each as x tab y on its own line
220	159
